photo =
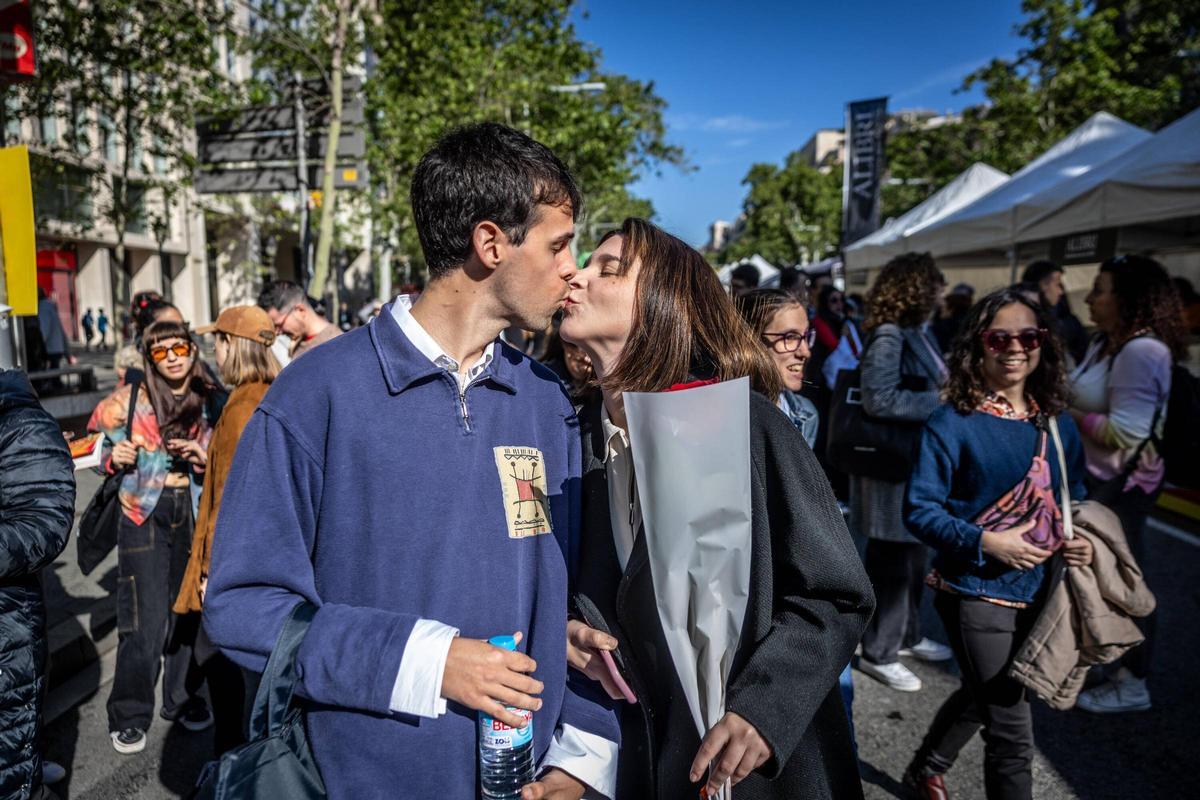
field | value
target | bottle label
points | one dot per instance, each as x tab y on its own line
495	735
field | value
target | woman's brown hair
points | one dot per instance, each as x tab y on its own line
759	307
177	416
684	324
1147	300
905	292
248	361
966	387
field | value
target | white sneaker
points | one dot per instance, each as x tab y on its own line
895	675
928	650
1122	693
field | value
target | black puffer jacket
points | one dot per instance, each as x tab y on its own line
37	506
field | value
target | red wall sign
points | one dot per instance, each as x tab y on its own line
16	40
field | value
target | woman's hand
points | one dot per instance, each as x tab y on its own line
1078	552
583	653
1008	547
734	748
124	454
189	450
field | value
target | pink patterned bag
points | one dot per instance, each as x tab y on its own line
1032	498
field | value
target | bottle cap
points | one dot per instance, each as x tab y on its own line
504	642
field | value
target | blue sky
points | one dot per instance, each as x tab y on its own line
750	82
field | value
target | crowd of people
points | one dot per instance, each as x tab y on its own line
416	485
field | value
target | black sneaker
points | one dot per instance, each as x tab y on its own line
128	741
197	717
192	715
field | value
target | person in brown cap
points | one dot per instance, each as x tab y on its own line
244	335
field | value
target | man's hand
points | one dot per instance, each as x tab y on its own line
1077	552
583	653
1008	547
734	748
554	785
487	678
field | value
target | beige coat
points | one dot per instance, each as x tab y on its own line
1088	617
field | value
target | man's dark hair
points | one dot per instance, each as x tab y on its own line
483	172
281	295
745	274
791	279
1038	271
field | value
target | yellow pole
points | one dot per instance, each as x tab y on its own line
17	237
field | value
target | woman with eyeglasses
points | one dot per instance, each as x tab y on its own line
902	373
984	494
160	460
781	323
1119	399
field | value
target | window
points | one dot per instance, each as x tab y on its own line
48	127
79	128
108	137
12	120
61	192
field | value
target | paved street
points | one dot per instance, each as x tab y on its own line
1079	755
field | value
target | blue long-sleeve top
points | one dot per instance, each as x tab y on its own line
965	463
367	485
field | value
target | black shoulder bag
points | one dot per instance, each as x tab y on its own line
867	446
98	525
277	762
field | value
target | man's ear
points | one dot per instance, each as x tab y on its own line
489	243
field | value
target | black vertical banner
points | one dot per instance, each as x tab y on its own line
865	120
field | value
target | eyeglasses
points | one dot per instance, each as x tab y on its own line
180	349
998	341
789	342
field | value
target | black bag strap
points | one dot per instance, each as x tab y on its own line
134	385
274	697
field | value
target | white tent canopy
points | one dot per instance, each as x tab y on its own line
1154	180
993	220
767	274
892	239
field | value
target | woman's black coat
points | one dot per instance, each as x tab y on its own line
37	505
809	602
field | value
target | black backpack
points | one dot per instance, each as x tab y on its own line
1180	440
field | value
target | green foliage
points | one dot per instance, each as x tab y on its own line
124	79
793	213
442	64
1137	59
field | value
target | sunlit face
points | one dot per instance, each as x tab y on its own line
173	366
533	276
1015	364
221	345
289	321
1103	305
791	319
1051	287
599	311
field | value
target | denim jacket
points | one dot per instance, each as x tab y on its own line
803	414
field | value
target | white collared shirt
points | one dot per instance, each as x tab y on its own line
624	508
420	338
418	687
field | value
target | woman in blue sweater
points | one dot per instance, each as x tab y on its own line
984	495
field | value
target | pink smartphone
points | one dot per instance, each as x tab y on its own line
615	674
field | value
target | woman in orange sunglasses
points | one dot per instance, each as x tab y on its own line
160	460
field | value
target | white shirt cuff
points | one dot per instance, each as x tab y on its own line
418	687
585	757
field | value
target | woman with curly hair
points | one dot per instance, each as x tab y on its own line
986	462
902	371
1119	398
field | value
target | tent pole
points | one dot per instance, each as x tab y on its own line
1012	263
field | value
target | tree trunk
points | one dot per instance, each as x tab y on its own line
328	193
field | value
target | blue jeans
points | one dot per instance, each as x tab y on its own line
846	684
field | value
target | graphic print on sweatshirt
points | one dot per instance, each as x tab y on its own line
522	473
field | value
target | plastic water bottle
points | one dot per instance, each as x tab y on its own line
505	754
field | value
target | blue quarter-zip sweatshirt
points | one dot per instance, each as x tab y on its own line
966	463
369	485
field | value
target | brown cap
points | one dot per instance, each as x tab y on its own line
249	322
